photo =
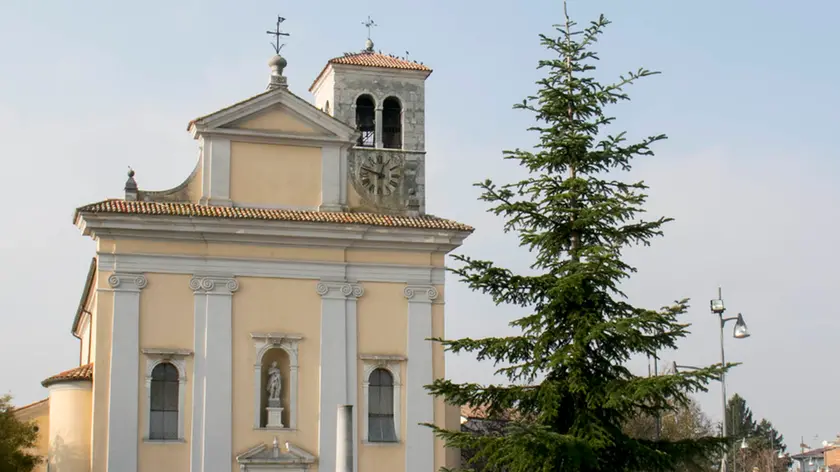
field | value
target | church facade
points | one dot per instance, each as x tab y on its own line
224	322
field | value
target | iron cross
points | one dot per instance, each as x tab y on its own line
370	24
277	33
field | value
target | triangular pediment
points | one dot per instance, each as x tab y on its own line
278	113
279	119
263	455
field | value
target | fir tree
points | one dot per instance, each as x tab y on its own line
568	385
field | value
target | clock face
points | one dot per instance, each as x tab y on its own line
380	174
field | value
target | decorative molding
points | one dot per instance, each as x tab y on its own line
273	458
127	281
263	342
339	290
177	358
166	353
382	358
71	385
275	233
420	293
179	264
213	285
393	366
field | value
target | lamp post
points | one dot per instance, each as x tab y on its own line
739	332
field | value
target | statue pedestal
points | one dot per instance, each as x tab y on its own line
275	417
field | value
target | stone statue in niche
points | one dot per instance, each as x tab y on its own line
274	408
273	385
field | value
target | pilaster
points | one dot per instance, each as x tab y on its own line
216	170
338	362
420	451
331	178
212	423
123	396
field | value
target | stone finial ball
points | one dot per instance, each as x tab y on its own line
278	62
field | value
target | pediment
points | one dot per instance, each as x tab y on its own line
279	119
274	457
275	113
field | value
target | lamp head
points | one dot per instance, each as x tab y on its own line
717	306
740	331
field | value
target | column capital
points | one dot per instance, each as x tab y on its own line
339	290
123	281
213	285
420	293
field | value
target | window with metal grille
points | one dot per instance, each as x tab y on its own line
366	121
163	408
381	407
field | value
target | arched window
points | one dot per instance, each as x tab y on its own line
366	120
391	123
163	408
327	107
381	407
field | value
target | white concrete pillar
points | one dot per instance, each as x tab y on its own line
378	127
216	170
123	397
419	439
211	437
338	362
344	439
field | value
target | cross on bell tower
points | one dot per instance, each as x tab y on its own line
278	62
369	24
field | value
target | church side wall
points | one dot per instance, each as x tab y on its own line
270	175
39	415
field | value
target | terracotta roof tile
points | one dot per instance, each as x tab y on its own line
371	59
83	372
207	211
375	59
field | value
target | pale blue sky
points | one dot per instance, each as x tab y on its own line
747	96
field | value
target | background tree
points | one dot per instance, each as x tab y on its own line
566	368
682	423
763	441
16	439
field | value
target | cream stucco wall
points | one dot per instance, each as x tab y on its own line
70	410
382	329
272	175
166	322
276	119
289	306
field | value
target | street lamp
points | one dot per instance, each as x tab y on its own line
739	332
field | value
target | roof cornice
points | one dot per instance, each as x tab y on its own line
273	233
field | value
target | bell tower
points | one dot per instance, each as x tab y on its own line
383	98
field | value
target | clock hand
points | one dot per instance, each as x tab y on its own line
380	174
